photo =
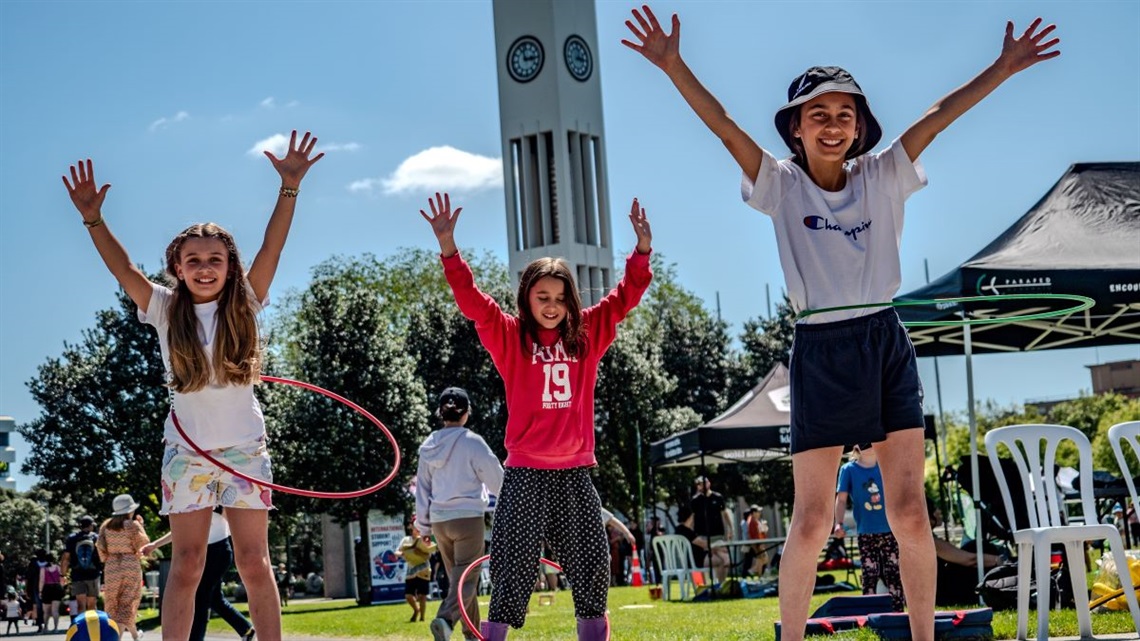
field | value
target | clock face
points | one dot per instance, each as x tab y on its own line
578	59
525	58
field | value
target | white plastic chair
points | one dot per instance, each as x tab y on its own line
675	557
1129	432
1045	527
484	579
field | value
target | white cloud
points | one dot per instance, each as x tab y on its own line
164	122
271	103
364	184
277	144
438	168
336	146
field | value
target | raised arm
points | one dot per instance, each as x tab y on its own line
1017	54
641	228
89	201
664	50
292	169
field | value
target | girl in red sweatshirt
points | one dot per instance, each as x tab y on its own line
548	357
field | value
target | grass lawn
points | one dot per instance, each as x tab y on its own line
633	615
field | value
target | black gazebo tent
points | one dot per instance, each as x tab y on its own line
1082	237
755	428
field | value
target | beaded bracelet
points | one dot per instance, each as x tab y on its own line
290	192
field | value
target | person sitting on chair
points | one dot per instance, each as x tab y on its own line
957	568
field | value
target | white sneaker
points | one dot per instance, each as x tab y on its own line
440	629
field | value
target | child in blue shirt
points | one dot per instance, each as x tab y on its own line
861	480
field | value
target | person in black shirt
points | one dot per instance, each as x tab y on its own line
82	565
711	519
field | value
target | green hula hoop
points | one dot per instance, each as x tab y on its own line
1082	303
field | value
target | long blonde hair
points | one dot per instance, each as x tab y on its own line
237	345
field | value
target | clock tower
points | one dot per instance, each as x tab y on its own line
554	162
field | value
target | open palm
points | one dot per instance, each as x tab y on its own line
86	197
658	47
1026	51
442	219
296	162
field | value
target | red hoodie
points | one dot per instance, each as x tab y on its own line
550	395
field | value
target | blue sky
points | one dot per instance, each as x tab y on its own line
173	99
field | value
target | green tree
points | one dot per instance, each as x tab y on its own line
22	530
764	342
693	345
1103	456
341	339
1086	411
442	341
628	400
103	404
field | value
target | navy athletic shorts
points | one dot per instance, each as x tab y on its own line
853	381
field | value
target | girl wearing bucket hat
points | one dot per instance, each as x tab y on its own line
838	212
121	538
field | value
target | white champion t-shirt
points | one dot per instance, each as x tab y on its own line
838	248
216	415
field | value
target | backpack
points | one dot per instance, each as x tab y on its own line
999	587
85	556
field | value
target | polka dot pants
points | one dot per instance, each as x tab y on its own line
562	508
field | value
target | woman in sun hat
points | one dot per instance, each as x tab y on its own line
838	216
121	539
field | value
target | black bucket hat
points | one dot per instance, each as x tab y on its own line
820	80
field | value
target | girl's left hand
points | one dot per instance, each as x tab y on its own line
296	161
641	228
1021	53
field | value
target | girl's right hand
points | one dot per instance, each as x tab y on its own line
86	198
658	47
443	221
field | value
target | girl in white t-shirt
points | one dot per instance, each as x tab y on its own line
208	335
838	211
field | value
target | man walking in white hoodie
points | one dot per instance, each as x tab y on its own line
457	471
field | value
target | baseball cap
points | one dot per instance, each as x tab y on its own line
455	396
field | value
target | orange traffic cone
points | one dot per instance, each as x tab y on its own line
635	569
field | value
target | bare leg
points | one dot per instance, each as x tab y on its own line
814	473
190	531
411	599
250	530
902	460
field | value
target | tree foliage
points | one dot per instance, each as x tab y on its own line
103	405
764	343
338	337
692	345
